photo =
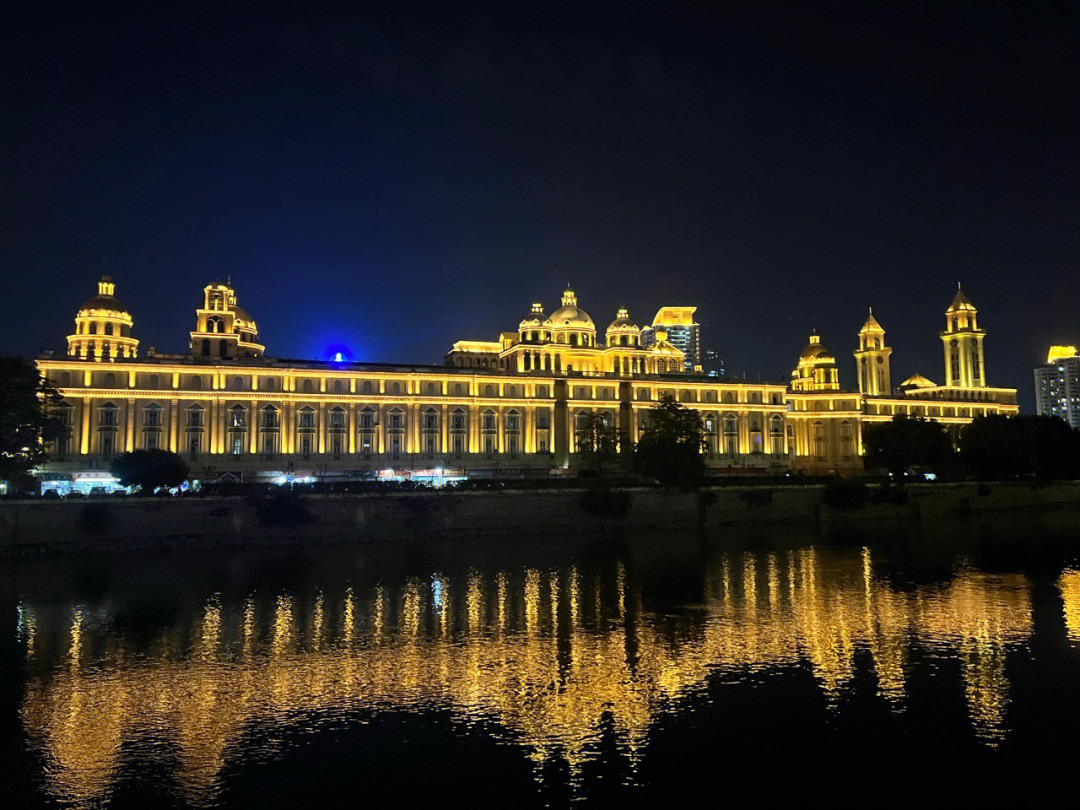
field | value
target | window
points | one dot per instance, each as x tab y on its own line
431	420
512	445
395	445
337	419
542	422
194	442
367	419
151	441
307	418
152	416
397	421
488	421
365	444
817	434
269	418
457	420
269	443
305	444
430	445
195	417
309	388
489	445
847	439
458	443
543	445
107	416
336	444
108	444
237	445
512	421
237	417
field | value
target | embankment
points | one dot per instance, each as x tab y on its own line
28	526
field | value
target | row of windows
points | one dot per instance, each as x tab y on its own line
106	328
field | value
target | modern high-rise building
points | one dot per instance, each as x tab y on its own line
1057	385
683	332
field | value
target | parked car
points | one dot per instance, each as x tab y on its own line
50	493
97	492
75	494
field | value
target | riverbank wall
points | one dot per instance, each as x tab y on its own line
28	526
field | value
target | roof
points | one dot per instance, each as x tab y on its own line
918	381
871	325
674	316
960	302
105	303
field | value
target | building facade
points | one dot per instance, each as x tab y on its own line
1057	385
516	406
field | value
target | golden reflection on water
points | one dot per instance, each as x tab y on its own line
533	651
1070	594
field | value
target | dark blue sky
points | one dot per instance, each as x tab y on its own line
396	181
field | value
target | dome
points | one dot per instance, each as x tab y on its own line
240	314
622	322
815	351
104	301
570	315
918	381
535	317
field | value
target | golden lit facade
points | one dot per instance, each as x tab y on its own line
515	406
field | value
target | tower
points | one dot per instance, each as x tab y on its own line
222	329
103	328
872	360
963	344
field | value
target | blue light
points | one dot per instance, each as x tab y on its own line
339	357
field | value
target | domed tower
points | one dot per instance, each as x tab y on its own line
816	370
963	343
622	331
872	360
570	324
223	329
532	328
103	328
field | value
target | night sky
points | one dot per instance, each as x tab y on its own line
397	181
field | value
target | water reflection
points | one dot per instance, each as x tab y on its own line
547	655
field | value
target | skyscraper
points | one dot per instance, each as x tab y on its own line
1057	385
682	332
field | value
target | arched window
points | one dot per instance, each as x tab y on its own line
108	328
195	383
308	387
395	387
65	379
489	390
110	380
366	387
93	328
271	384
337	386
223	348
459	389
817	438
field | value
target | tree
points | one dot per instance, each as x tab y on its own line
996	446
905	442
27	418
149	469
670	447
597	441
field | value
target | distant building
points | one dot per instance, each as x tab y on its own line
682	332
714	364
1057	385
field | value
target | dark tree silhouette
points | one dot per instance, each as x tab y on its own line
996	447
149	469
27	420
670	447
905	442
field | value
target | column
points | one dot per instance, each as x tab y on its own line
253	433
352	423
84	433
211	423
174	429
129	441
322	422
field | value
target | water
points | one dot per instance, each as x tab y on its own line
505	673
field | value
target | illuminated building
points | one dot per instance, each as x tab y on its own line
513	406
684	333
1057	385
